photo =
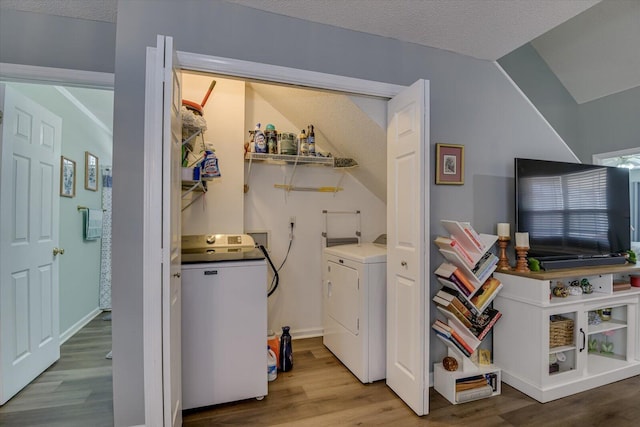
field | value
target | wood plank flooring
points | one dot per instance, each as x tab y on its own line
75	391
319	391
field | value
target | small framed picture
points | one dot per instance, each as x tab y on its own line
67	177
449	164
90	171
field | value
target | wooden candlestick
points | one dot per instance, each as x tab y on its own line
503	261
522	266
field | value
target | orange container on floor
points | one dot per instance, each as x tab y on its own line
274	344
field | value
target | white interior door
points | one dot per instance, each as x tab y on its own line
407	263
30	141
171	237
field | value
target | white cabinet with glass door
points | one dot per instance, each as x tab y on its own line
550	347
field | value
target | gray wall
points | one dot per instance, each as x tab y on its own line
472	103
607	124
529	71
56	41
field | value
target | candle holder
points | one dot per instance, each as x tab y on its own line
522	266
503	261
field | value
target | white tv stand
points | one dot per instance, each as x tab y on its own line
522	340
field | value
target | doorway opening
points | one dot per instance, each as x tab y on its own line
86	110
629	159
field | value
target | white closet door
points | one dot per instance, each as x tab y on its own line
407	262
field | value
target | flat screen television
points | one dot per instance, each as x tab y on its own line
572	210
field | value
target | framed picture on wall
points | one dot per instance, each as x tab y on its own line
90	171
449	164
67	177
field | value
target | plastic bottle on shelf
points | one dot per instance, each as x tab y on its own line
272	369
259	140
286	350
303	144
312	141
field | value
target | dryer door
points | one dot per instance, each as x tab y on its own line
343	304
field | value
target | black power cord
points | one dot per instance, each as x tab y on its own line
276	277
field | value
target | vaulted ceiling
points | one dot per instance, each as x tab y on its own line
591	45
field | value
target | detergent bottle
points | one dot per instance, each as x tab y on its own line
272	369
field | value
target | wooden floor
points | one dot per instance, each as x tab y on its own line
75	391
319	391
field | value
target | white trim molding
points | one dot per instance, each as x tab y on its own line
79	325
62	76
278	74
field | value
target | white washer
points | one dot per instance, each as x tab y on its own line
354	297
224	320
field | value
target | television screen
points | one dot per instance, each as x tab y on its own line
572	209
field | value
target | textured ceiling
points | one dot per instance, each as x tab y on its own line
94	10
487	29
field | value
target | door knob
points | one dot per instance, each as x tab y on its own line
403	263
176	275
58	251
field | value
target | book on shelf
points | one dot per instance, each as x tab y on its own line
485	322
487	261
451	308
464	233
453	290
448	243
473	235
468	383
454	286
454	335
621	285
486	292
463	305
454	274
447	336
474	394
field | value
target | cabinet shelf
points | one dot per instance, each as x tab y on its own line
561	349
609	325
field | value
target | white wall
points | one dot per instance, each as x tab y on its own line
220	210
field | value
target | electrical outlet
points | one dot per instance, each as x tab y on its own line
292	220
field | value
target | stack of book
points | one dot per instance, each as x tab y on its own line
475	387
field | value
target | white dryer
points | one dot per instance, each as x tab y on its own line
354	297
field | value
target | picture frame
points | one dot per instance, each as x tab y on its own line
449	164
90	171
67	177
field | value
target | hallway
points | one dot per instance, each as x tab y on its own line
74	391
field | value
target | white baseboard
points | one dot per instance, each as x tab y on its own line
78	325
306	333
